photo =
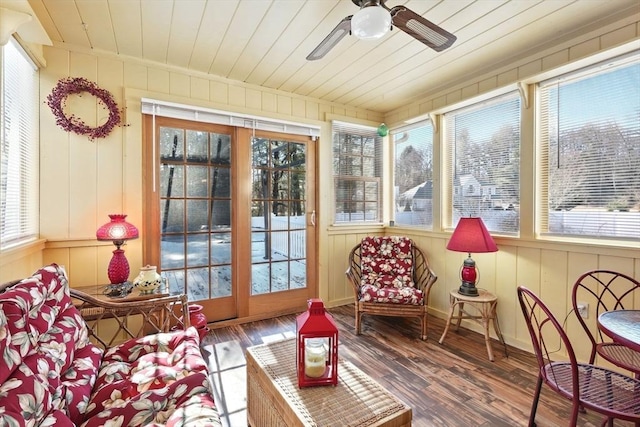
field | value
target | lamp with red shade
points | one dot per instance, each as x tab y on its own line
470	235
118	230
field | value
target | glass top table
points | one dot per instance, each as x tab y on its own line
622	326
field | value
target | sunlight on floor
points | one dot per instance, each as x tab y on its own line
227	366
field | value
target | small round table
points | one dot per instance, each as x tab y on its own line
622	326
485	312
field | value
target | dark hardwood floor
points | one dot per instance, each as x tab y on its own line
453	384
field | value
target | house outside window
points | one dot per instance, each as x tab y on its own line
590	151
413	175
19	178
357	172
483	147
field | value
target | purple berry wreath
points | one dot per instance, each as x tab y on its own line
73	85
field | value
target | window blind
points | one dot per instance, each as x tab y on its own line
590	151
19	179
483	162
413	174
207	115
357	171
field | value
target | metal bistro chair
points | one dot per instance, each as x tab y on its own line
606	290
390	277
601	390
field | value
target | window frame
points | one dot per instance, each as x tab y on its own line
427	126
367	181
543	163
448	140
19	213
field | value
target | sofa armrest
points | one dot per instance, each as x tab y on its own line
131	318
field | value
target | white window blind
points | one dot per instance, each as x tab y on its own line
413	175
483	143
590	149
357	173
208	115
18	148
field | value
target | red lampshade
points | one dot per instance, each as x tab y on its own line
118	230
471	236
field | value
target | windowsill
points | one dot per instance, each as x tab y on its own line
18	252
357	227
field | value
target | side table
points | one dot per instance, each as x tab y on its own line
132	316
485	312
97	291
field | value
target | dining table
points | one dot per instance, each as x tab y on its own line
622	326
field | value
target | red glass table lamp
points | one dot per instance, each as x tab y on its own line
470	235
117	230
317	346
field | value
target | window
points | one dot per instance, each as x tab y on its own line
484	162
413	175
590	151
357	172
18	148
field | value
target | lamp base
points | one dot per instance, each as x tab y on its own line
118	270
468	289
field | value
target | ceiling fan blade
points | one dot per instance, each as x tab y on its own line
341	30
421	29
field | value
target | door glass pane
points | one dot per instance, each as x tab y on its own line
278	218
197	146
197	215
279	276
171	144
197	249
173	249
297	249
220	149
220	281
220	182
172	215
260	282
171	180
195	197
220	249
197	181
197	280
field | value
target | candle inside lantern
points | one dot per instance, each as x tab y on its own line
315	359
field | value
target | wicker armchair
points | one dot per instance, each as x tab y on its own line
390	277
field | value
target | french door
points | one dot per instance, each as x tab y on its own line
230	217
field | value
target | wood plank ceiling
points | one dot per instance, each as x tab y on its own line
265	42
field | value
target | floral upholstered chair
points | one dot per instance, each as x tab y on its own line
390	277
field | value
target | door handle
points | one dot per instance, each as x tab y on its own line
313	218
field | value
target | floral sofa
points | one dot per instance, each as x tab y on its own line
52	374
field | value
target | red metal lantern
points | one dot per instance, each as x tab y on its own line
317	346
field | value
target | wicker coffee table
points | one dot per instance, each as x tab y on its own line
274	399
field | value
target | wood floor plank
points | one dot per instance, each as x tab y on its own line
450	385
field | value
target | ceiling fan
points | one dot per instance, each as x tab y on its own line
375	19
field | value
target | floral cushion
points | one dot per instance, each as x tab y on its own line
78	381
387	271
406	295
151	381
41	334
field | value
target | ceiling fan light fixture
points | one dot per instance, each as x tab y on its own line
371	23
